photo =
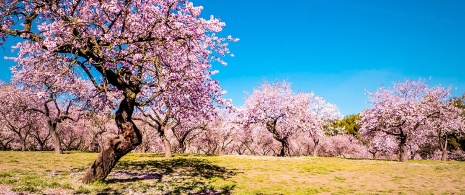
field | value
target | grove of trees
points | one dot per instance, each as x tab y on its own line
120	76
273	121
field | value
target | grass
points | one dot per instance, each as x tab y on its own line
140	173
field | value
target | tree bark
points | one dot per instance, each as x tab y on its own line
284	148
167	145
403	149
316	148
444	149
55	137
23	144
182	147
129	137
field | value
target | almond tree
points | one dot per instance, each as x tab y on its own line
447	119
381	143
14	116
140	48
346	146
324	114
405	112
6	139
284	114
187	130
61	95
275	108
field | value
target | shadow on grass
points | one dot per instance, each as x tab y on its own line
171	176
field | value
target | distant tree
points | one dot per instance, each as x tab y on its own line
457	141
14	116
346	146
447	121
381	143
404	112
61	96
274	107
350	124
187	130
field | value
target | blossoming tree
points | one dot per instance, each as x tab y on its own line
141	49
407	111
284	114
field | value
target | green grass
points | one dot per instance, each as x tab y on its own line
140	173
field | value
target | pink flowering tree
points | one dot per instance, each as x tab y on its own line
274	107
346	146
323	116
99	119
6	138
405	112
381	144
187	130
180	115
41	135
446	121
61	95
142	49
14	116
99	125
162	120
207	135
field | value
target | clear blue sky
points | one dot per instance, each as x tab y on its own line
338	49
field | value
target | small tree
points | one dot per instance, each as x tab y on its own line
381	143
284	114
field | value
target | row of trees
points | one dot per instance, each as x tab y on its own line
407	121
146	66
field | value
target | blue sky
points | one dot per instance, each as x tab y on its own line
337	49
340	49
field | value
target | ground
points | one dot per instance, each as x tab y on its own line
143	173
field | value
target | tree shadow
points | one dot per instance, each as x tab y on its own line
173	176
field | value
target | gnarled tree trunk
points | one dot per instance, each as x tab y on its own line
129	137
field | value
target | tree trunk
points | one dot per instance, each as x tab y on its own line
444	150
403	149
23	144
373	153
41	146
55	137
167	145
129	137
316	148
284	148
182	147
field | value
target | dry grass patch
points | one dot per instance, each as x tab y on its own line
48	173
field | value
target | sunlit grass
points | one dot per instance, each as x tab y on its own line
136	173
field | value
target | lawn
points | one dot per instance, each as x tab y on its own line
143	173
